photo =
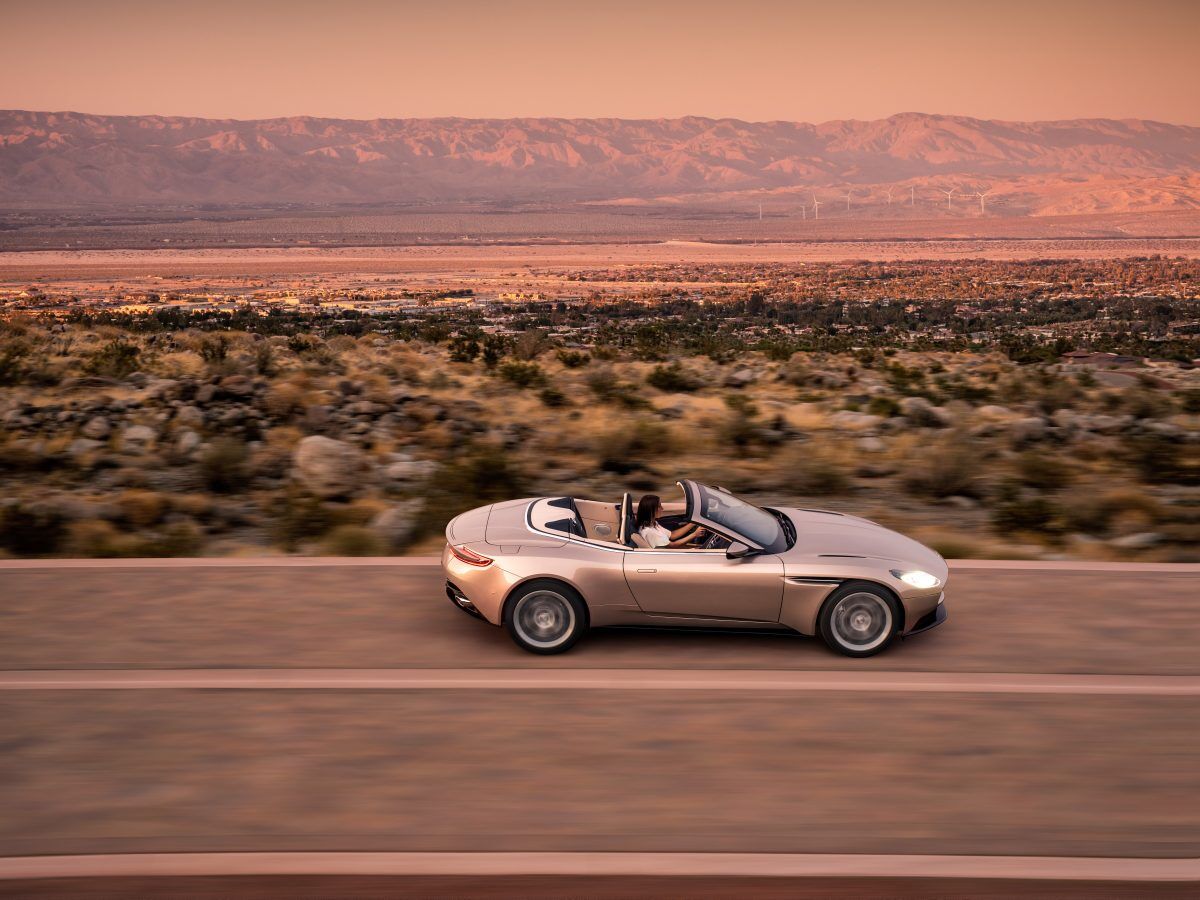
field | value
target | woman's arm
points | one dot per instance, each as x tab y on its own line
683	531
691	533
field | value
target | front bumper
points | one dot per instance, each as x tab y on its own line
931	619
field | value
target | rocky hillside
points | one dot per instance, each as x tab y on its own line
1092	165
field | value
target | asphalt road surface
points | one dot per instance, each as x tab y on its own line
301	710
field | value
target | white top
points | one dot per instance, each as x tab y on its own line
655	536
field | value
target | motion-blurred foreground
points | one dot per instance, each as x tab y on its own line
1028	409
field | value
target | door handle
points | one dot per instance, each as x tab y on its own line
647	571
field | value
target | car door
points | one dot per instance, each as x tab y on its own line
706	584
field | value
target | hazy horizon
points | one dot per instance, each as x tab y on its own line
763	61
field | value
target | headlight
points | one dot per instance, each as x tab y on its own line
918	579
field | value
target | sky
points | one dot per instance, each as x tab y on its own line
747	59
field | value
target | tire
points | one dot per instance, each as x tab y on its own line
859	619
545	617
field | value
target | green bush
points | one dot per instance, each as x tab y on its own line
673	378
629	448
553	397
223	466
610	389
573	359
297	516
26	532
1015	510
483	475
944	470
116	359
522	374
1043	472
881	405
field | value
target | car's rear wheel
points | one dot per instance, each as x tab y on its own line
859	619
545	617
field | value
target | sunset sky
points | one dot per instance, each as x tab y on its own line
808	61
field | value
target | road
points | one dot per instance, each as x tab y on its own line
286	712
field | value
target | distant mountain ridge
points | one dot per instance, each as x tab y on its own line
1082	165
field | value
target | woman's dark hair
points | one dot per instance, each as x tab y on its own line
647	507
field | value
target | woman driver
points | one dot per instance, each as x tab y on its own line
656	536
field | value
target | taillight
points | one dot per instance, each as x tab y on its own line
470	557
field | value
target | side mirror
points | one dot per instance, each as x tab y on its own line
737	550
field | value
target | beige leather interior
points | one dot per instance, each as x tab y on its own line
600	520
639	542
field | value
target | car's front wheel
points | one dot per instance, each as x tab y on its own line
859	619
545	617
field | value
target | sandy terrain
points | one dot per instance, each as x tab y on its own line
446	263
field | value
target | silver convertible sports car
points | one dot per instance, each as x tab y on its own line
547	569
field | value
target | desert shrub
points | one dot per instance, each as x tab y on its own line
740	428
958	388
1043	472
522	374
797	371
12	362
177	539
463	349
673	378
1146	404
882	405
297	516
573	359
808	472
610	389
1189	401
142	508
553	397
494	348
1107	512
352	540
116	359
213	349
92	539
265	361
905	380
1160	459
483	475
283	400
530	344
223	465
28	532
947	469
1014	509
627	448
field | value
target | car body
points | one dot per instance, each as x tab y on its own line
548	568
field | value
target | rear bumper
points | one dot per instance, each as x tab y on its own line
459	599
931	619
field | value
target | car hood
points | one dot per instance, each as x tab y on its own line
826	536
500	524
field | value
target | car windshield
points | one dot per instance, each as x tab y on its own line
740	517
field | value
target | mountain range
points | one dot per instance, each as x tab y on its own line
65	159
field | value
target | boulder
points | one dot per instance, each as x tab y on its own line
405	469
1028	430
138	437
97	428
187	442
855	421
923	414
397	524
237	385
1140	541
327	467
741	378
189	417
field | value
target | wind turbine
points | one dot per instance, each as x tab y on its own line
982	207
803	212
950	193
816	207
760	212
912	196
849	194
888	191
